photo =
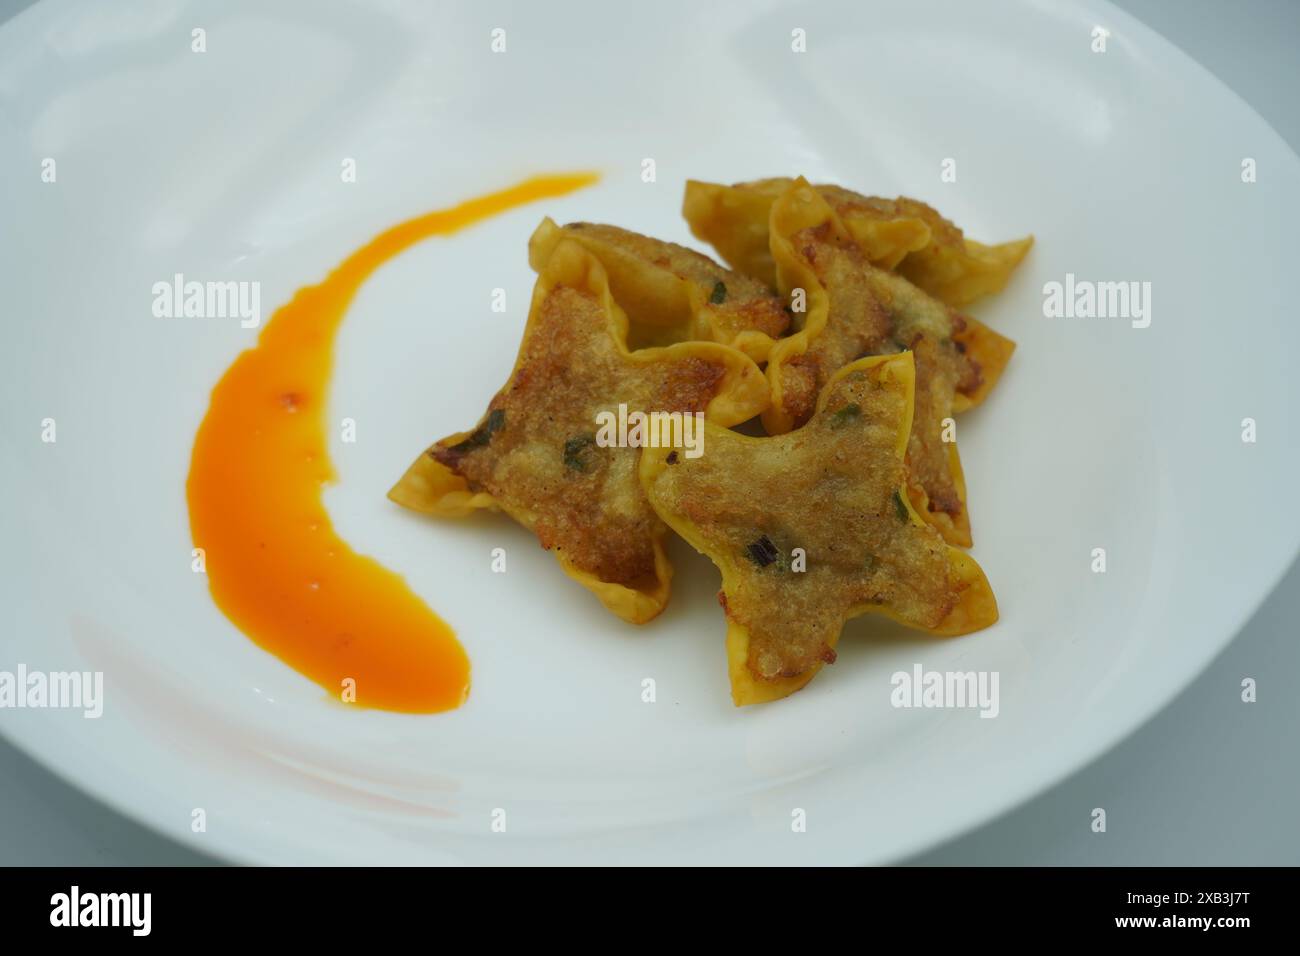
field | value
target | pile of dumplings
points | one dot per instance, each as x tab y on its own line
838	326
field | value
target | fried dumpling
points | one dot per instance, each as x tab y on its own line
534	453
902	234
947	265
813	527
850	309
671	293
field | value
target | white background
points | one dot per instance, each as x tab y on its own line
1210	780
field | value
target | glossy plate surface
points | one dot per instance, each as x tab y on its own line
1126	165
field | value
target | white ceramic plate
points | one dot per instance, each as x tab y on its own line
1125	164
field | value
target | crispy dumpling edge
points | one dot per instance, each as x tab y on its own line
752	342
977	608
991	351
430	487
795	213
725	216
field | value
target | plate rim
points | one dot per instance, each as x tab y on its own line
224	847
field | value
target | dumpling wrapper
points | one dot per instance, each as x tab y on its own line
735	220
671	293
852	309
904	235
833	488
533	454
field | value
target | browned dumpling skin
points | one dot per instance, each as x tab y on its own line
890	233
813	527
851	309
671	293
534	453
900	234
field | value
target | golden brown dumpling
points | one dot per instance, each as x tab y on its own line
813	527
900	234
671	293
534	453
847	308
